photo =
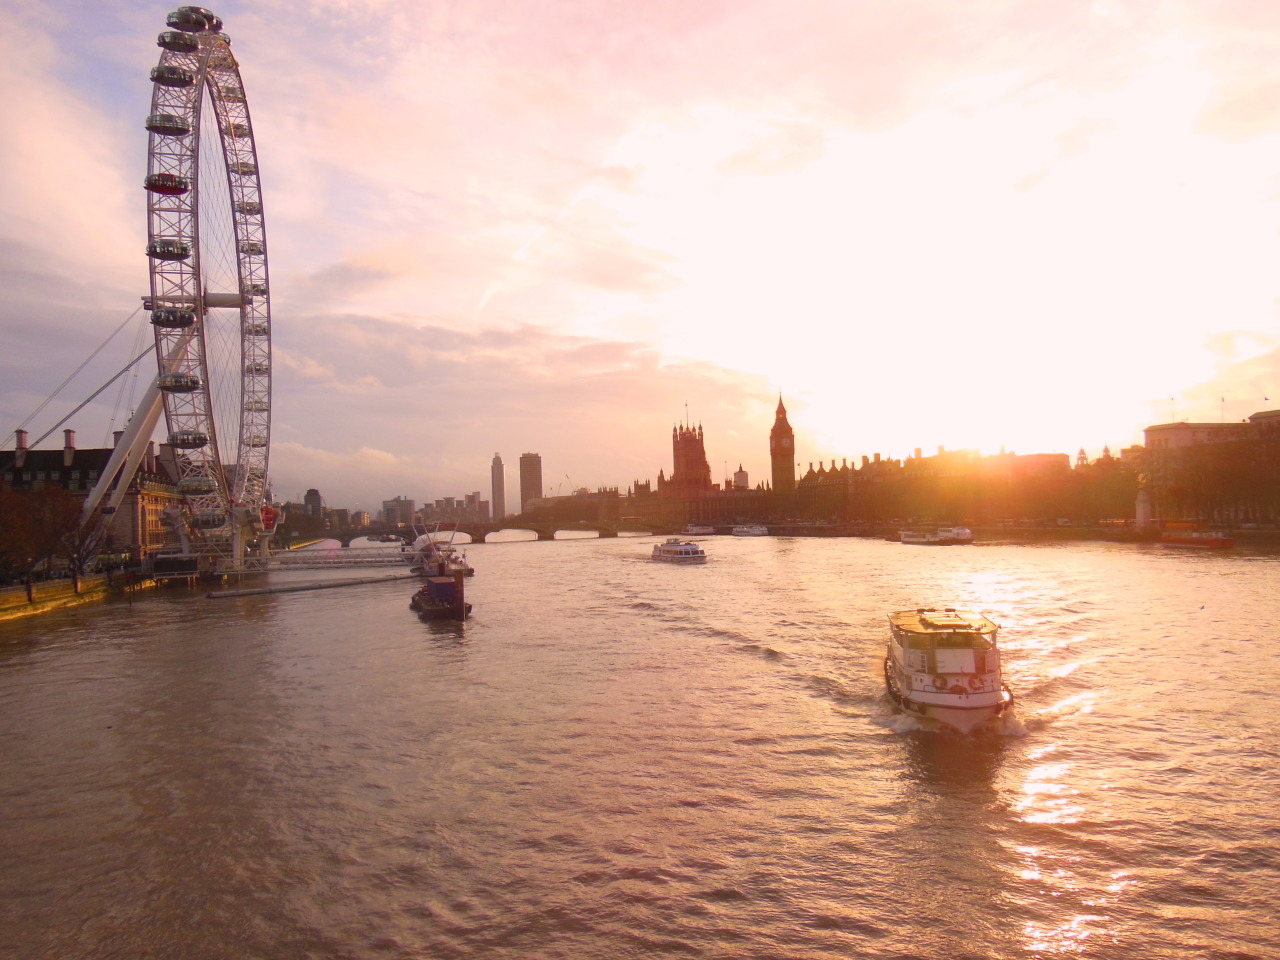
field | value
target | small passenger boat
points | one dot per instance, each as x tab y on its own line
698	530
945	665
936	536
1205	539
750	530
675	550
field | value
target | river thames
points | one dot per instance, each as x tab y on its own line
615	758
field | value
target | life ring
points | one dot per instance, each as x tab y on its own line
939	683
975	682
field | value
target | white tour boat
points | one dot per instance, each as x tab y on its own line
675	550
751	530
944	664
936	536
699	530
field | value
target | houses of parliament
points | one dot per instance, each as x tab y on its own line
1220	473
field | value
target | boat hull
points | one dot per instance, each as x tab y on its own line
428	610
1203	542
963	712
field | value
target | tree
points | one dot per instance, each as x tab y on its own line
60	533
17	535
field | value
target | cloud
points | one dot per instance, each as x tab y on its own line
452	397
548	226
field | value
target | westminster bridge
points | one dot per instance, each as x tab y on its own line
478	531
546	529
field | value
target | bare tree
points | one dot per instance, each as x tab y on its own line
17	535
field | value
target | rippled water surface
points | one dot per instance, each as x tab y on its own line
616	758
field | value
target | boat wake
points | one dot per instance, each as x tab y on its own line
1008	725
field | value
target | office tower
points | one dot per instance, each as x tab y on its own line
499	479
530	479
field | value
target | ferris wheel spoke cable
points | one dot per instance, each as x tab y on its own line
125	395
76	372
93	396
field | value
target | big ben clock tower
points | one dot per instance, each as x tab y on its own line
782	452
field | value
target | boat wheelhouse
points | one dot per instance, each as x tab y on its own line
675	550
945	665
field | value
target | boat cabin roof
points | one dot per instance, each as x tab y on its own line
930	620
678	546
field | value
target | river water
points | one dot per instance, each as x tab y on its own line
616	758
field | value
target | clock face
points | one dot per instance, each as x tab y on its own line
785	443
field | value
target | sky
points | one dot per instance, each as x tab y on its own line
563	228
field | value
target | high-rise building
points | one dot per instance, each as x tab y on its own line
530	479
498	477
782	452
398	510
314	503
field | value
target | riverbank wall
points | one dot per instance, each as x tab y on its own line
42	596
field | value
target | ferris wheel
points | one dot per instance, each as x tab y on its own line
209	298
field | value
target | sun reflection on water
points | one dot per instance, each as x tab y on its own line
1069	937
1047	798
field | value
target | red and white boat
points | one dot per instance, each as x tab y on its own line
1205	539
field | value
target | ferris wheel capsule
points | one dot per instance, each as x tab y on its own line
210	520
178	382
169	75
188	439
194	20
178	42
168	248
168	124
195	485
168	184
173	318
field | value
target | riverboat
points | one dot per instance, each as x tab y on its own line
698	530
675	550
440	598
1205	539
936	536
750	530
945	665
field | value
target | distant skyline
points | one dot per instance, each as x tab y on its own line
1042	224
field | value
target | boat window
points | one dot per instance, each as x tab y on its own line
960	641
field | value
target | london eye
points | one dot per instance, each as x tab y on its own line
209	297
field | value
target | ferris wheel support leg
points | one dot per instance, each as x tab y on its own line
128	452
